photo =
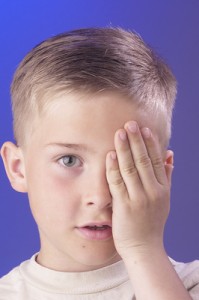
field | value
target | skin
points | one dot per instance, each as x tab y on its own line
120	175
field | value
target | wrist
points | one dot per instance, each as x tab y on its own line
143	253
152	273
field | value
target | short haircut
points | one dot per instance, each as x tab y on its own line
93	60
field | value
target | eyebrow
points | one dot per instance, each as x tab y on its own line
80	147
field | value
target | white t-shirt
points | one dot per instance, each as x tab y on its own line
31	281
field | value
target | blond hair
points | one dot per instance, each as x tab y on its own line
93	60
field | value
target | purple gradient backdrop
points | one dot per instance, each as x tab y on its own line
172	27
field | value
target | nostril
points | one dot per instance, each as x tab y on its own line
107	205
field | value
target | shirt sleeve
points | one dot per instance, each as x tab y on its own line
189	274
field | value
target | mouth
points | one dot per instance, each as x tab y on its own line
95	227
96	231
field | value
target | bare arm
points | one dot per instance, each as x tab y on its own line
139	181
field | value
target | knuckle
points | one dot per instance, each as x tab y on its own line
157	162
155	194
115	178
158	194
143	160
130	170
117	181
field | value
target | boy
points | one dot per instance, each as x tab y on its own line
92	118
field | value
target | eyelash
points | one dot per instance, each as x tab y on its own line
61	160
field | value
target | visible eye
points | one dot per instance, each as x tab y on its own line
70	161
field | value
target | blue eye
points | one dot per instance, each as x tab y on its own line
70	161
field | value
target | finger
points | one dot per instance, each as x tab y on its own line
140	155
155	154
126	163
116	183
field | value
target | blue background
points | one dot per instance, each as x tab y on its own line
172	27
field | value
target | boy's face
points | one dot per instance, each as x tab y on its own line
65	175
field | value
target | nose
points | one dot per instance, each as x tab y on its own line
98	194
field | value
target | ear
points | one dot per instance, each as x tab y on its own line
14	165
169	161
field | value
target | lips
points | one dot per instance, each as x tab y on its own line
103	227
96	231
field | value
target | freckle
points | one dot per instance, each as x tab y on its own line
83	246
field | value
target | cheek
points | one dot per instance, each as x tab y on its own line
53	199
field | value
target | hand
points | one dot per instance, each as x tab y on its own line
139	181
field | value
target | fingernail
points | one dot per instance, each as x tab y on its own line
113	155
132	126
146	132
122	135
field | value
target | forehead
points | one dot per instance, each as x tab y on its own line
92	119
99	102
107	110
